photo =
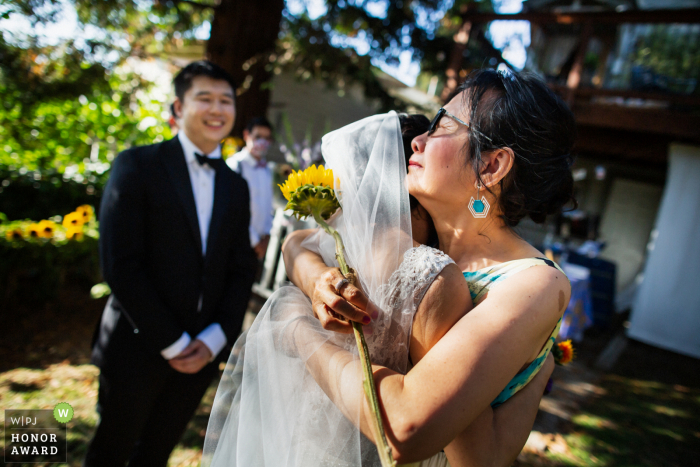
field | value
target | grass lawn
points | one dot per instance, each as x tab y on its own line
646	412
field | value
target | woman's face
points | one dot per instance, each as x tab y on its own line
437	170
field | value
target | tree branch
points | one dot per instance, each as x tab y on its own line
199	6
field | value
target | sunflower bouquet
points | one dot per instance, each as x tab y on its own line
311	192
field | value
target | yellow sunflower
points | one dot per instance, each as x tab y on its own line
310	193
34	230
73	220
86	211
311	176
75	233
14	234
47	228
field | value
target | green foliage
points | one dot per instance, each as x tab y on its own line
77	126
34	195
35	267
35	270
673	51
70	106
343	45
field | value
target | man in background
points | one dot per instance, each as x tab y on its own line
251	164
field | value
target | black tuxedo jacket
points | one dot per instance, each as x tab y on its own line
151	256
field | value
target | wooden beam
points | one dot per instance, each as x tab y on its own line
685	15
625	146
679	125
680	99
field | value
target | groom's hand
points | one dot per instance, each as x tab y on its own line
192	359
335	307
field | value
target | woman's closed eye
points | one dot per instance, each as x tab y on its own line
445	126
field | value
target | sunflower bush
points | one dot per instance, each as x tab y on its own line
38	257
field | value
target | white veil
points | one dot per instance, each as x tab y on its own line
268	410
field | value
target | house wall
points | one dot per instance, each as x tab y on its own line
312	104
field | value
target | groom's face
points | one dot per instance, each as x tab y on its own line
207	112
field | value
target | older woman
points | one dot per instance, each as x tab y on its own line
497	152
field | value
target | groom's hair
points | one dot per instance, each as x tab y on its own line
183	80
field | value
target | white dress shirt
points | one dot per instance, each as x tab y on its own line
259	178
202	178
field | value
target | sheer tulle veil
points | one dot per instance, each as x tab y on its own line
268	410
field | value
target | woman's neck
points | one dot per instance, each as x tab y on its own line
476	243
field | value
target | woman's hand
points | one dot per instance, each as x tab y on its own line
335	307
332	307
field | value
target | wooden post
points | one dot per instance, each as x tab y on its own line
574	78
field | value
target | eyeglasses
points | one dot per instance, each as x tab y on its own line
438	116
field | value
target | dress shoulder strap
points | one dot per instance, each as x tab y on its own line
481	280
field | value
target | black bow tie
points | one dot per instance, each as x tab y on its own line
214	163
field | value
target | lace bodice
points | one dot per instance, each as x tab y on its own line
402	295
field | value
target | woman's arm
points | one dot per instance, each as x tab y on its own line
460	376
497	436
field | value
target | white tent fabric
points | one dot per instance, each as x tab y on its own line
667	309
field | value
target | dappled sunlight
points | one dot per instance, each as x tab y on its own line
629	422
25	388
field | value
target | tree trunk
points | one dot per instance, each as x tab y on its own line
454	66
243	36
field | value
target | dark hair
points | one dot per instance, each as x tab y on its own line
183	80
411	126
172	110
258	121
519	111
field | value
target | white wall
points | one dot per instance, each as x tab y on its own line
666	312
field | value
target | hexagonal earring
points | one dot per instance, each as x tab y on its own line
479	207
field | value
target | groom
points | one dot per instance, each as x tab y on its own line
175	250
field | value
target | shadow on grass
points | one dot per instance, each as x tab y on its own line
647	414
637	423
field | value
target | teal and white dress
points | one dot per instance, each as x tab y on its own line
480	283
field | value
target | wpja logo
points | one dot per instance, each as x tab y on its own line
37	435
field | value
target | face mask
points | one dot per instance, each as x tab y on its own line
260	147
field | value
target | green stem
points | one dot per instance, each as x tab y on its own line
385	455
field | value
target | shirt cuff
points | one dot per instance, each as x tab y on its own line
174	349
214	338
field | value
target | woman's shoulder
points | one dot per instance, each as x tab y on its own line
539	287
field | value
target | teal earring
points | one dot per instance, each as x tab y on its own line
479	207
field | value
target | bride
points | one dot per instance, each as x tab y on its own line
291	394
